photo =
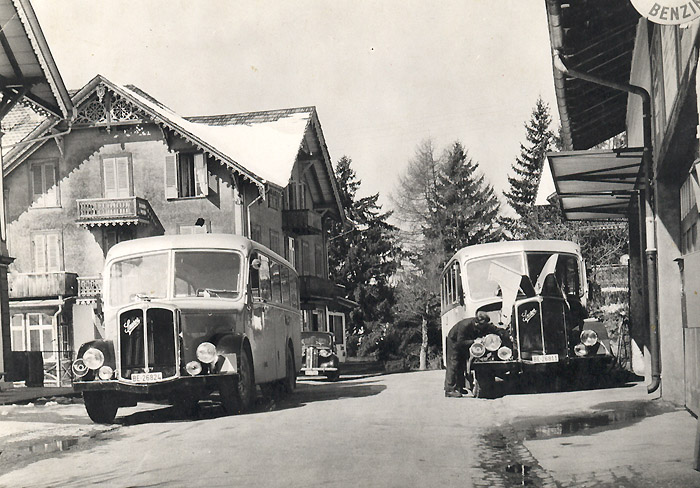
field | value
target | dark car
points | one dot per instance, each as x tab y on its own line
318	355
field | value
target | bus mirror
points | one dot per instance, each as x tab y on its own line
255	263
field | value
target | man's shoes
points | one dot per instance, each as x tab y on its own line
464	391
453	394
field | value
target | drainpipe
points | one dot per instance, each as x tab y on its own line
247	209
650	216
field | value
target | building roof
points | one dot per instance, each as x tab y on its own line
595	37
27	67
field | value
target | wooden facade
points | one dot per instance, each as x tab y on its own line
131	168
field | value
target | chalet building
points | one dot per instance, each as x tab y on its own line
617	72
129	167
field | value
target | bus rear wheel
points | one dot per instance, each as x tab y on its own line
290	379
238	393
101	407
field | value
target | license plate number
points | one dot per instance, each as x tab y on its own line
311	372
146	377
546	358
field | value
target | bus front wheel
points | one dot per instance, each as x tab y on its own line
101	407
483	385
238	394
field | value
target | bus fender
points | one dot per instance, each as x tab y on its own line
229	348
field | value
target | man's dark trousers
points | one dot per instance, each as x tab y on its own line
456	364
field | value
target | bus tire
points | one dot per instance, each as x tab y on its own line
483	385
101	407
290	379
238	392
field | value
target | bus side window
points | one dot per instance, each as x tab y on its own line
255	276
265	285
285	285
276	284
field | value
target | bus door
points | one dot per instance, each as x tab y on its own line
278	316
336	325
261	336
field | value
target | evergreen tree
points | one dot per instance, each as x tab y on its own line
363	259
528	169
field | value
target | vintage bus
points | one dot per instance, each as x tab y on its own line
190	315
535	293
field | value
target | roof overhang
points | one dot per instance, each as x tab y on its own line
596	185
27	68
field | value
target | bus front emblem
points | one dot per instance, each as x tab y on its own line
131	324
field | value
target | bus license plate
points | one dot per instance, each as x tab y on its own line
546	358
146	377
311	372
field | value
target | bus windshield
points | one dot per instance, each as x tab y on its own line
480	286
567	270
138	277
207	274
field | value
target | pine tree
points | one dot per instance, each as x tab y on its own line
363	259
528	168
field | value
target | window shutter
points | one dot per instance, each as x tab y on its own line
39	251
50	185
110	177
200	174
171	176
122	170
37	182
53	252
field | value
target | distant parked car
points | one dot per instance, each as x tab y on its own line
318	355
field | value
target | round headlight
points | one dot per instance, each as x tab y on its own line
589	338
193	368
477	349
324	353
505	353
79	368
492	342
206	352
580	350
105	373
93	358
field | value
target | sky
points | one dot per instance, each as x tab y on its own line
384	75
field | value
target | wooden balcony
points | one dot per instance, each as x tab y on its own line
311	287
302	222
42	285
116	211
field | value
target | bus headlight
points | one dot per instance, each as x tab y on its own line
206	353
505	353
477	349
79	368
193	368
105	373
324	353
492	342
589	338
580	350
93	358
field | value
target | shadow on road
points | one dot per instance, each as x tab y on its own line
303	395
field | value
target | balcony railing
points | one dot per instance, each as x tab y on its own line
89	287
302	222
42	285
315	287
124	210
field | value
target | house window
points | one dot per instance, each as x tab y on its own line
47	252
256	233
274	199
116	176
205	228
290	252
186	175
44	185
115	234
306	258
318	256
18	338
275	241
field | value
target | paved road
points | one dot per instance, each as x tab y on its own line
376	431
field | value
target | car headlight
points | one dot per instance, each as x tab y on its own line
505	353
93	358
105	373
589	338
193	368
580	350
324	353
206	353
79	368
492	342
477	349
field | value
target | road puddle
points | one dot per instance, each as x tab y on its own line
49	447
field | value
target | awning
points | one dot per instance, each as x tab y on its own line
596	185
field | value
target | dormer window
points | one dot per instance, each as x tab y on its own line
186	175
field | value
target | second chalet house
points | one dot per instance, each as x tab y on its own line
130	167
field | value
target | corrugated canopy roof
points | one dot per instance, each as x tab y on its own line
26	65
594	37
596	185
